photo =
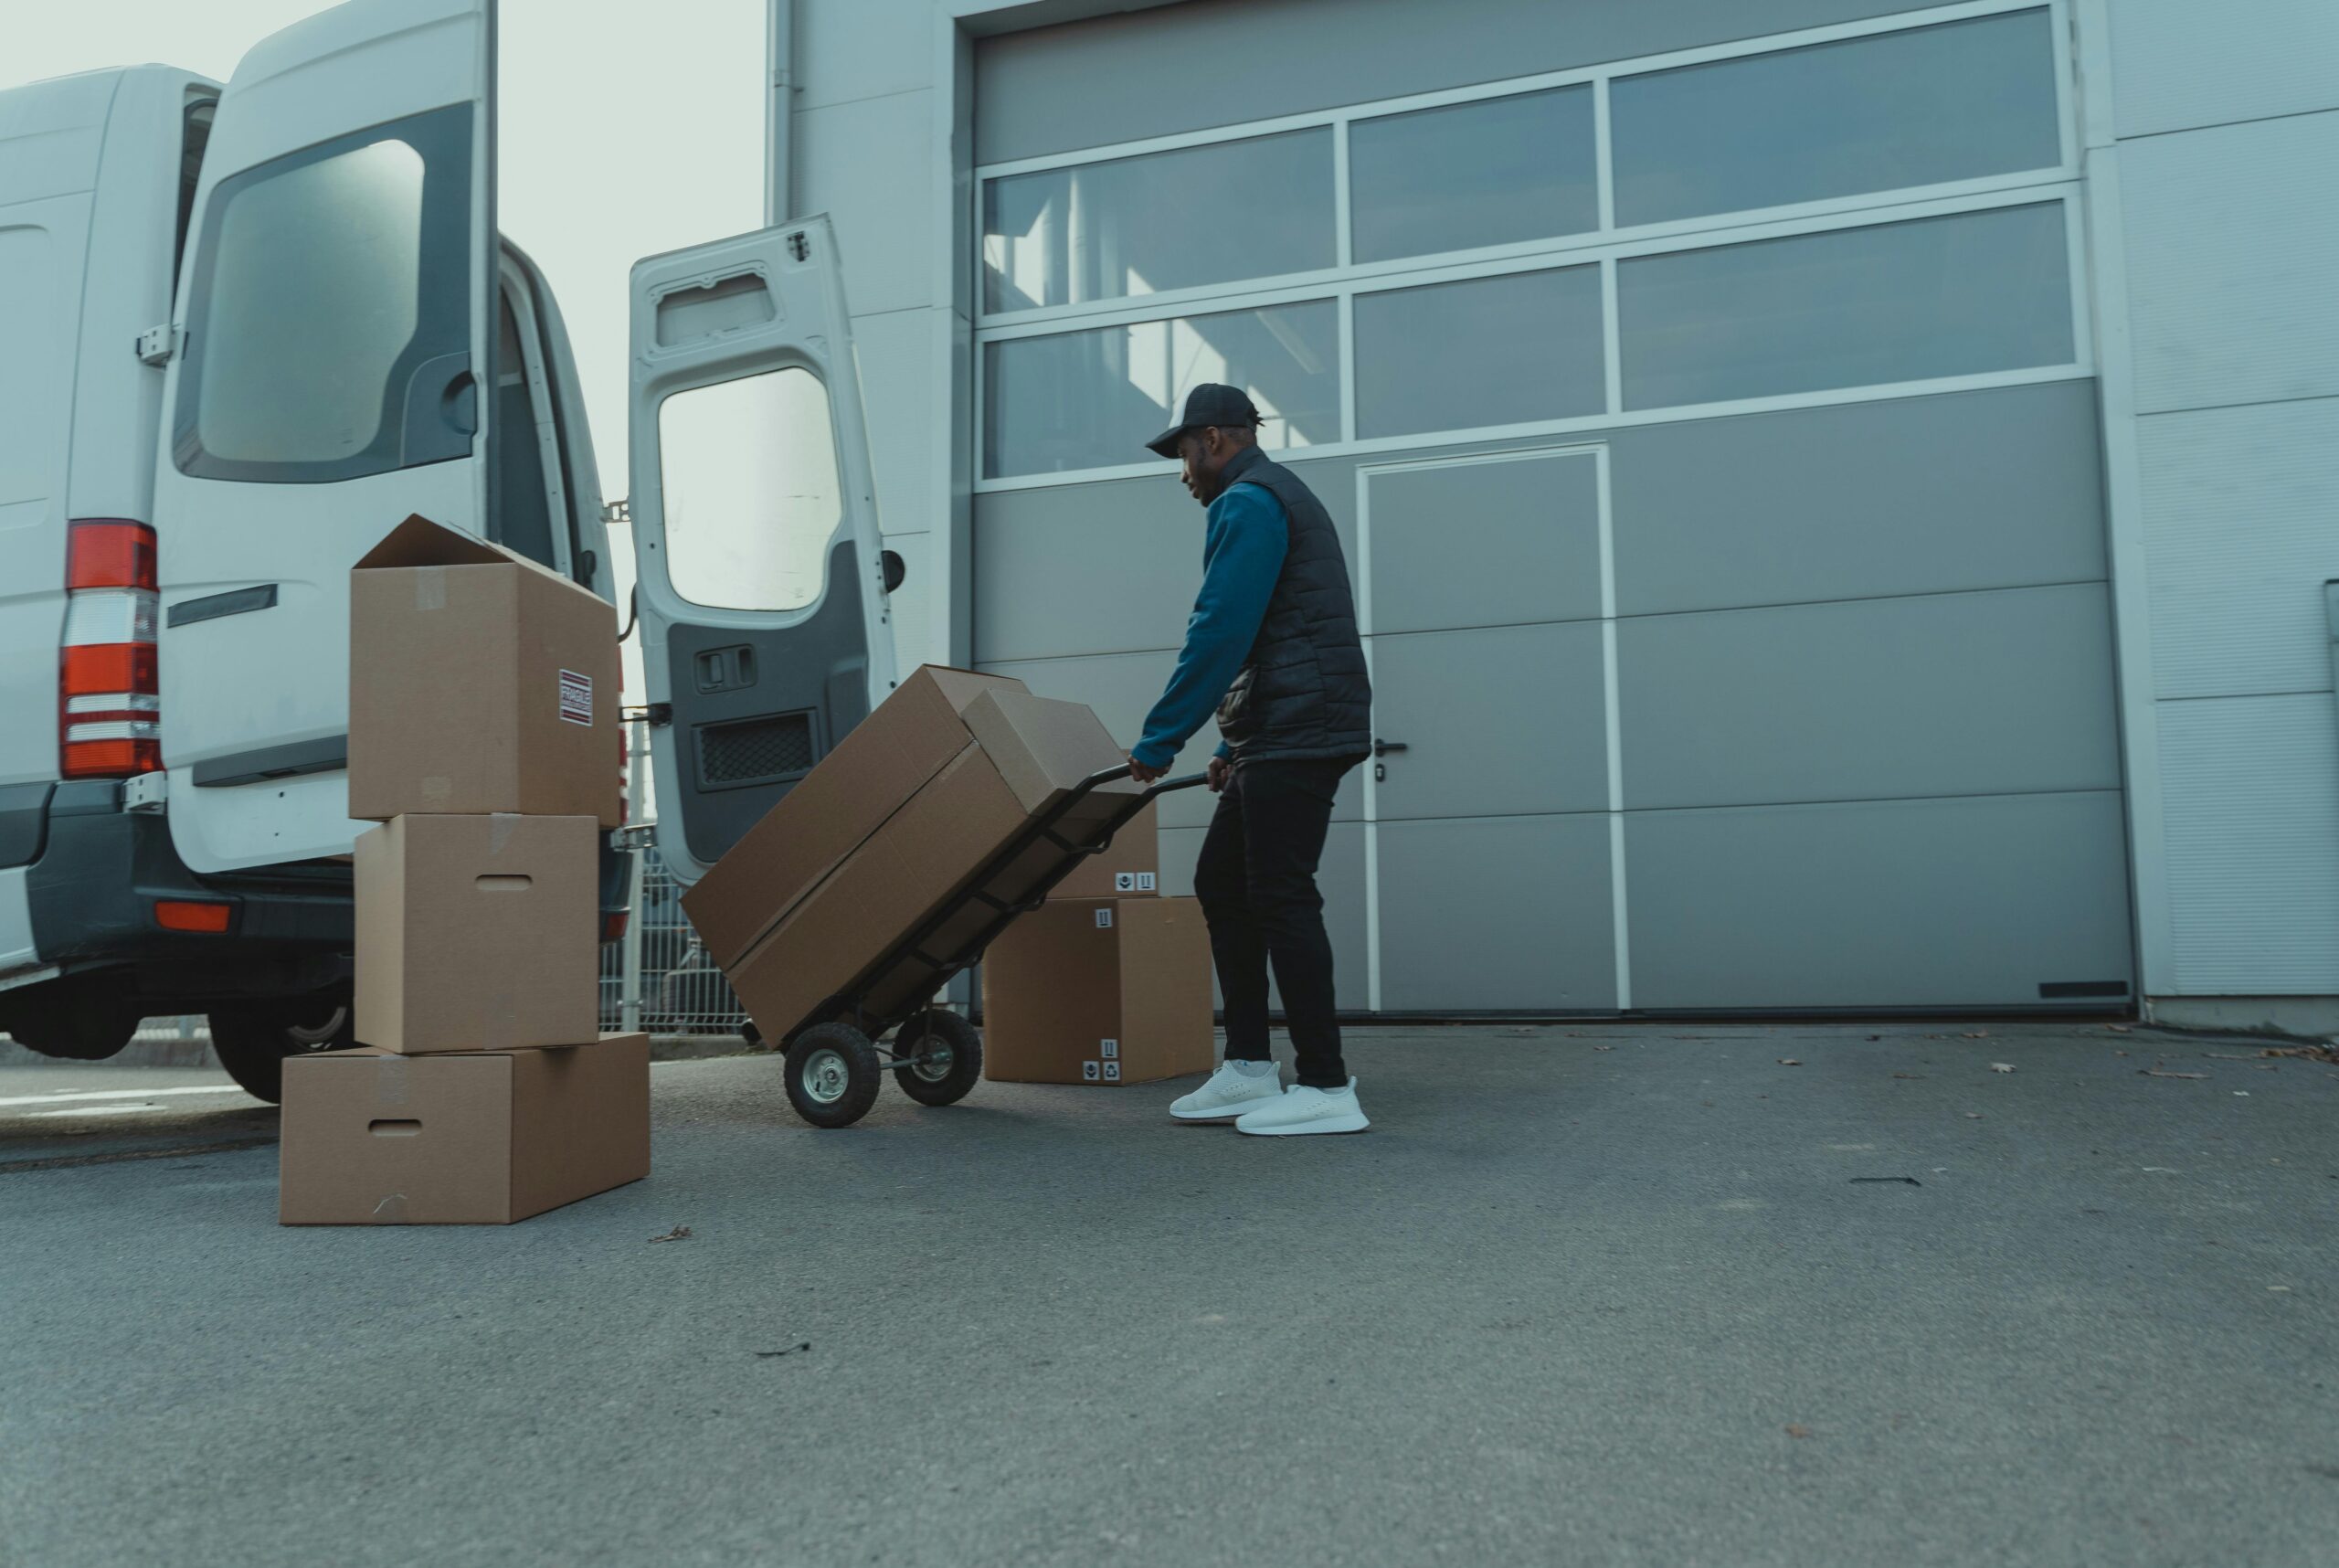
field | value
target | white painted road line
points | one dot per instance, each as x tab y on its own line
120	1095
87	1111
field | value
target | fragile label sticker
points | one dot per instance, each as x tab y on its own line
1092	1071
1145	882
1125	882
1104	919
1112	1072
576	698
1108	1049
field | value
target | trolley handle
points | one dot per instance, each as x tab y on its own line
1104	776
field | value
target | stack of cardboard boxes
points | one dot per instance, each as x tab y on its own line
482	736
891	836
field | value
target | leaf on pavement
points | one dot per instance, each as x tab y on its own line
1797	1429
680	1233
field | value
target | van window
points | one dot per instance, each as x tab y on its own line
329	332
194	135
748	479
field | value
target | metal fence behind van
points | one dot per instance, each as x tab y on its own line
680	991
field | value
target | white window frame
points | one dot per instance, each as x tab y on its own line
1603	247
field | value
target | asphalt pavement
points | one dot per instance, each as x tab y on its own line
1600	1295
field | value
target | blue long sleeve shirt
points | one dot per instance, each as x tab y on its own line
1242	551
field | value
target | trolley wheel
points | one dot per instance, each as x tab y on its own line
832	1075
948	1053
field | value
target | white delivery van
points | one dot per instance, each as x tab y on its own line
244	331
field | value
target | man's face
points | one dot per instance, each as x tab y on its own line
1200	455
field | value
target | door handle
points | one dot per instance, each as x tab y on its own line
1383	748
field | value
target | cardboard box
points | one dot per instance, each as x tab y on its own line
478	933
478	682
1129	868
373	1139
863	779
1106	991
1026	755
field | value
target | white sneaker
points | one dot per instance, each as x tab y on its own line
1302	1109
1230	1093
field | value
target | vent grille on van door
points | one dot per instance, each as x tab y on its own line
755	751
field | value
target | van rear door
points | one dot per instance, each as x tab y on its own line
764	631
333	359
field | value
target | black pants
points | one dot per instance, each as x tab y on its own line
1257	881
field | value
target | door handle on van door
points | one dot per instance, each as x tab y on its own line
441	409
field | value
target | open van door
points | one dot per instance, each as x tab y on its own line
330	363
765	631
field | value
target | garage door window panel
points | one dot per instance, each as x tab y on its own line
1964	294
1088	399
1926	106
1496	172
1129	227
1506	350
747	477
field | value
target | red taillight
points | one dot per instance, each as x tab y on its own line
613	926
109	706
187	915
110	554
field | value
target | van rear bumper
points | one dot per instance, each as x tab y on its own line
91	896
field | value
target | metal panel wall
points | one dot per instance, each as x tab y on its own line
2242	520
2183	64
2253	845
2230	233
2224	137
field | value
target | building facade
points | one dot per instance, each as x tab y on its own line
1840	491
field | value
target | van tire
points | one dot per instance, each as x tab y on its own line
252	1040
71	1020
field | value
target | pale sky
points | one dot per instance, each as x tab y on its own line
627	128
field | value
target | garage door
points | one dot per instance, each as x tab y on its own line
1709	419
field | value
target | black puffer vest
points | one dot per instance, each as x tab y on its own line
1303	691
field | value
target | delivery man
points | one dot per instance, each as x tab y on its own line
1272	645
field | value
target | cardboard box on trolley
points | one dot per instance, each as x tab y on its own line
919	729
371	1138
1129	867
1111	990
957	834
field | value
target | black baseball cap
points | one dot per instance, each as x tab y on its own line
1211	403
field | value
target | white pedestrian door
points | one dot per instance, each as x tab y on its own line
1494	847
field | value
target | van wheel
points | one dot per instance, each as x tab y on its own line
252	1040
